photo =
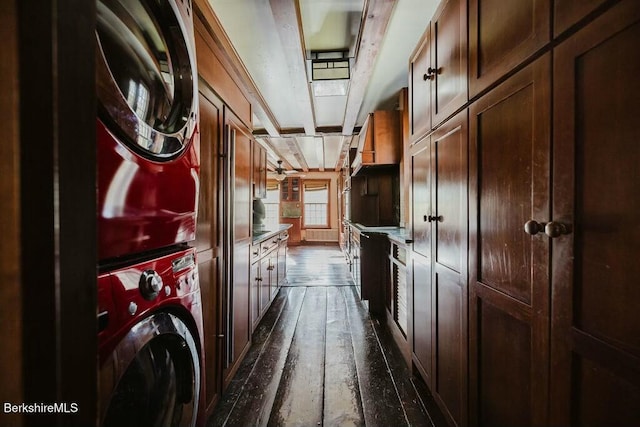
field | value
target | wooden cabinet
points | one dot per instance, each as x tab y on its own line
209	244
356	273
295	232
448	59
440	251
502	35
282	258
379	141
420	88
595	343
374	270
509	289
268	269
259	174
438	69
567	13
290	190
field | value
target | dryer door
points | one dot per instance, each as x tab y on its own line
153	376
146	78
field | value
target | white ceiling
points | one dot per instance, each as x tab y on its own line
273	38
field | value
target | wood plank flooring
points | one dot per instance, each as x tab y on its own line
317	358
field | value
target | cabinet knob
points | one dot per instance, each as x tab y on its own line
556	229
426	77
425	218
533	227
438	218
432	71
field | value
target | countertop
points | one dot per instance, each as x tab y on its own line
397	234
261	236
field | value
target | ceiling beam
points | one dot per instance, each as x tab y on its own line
286	14
320	152
297	153
374	27
274	153
344	151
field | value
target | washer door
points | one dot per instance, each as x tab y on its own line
153	376
146	75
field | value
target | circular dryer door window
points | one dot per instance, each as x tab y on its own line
157	376
146	75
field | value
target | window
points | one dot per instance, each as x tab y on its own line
272	205
316	203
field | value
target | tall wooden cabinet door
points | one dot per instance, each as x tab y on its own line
238	284
420	88
595	347
502	34
421	330
509	137
449	59
449	224
209	244
421	197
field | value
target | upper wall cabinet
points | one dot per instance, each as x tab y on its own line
420	88
566	13
379	141
503	34
438	69
259	178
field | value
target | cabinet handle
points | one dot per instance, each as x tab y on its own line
534	227
438	218
433	71
270	268
556	229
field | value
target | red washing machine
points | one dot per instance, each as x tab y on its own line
149	351
150	314
148	148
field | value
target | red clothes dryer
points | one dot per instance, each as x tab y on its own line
148	150
150	353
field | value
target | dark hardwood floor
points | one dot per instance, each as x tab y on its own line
317	358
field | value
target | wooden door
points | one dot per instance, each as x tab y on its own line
421	197
595	349
420	88
449	59
503	34
509	137
449	257
209	243
265	283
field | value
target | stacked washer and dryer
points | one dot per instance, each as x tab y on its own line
149	306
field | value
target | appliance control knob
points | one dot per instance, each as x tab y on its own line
150	284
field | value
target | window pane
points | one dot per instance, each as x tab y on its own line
316	203
272	207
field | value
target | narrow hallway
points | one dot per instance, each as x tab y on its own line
317	358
